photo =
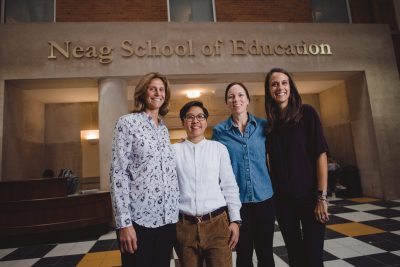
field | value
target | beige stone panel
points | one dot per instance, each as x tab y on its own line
113	103
90	159
32	163
335	119
257	106
64	121
388	147
352	48
33	120
334	106
385	99
340	142
366	144
23	148
66	155
371	183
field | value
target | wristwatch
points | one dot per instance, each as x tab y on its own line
238	222
321	193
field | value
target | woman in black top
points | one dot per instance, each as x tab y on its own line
297	159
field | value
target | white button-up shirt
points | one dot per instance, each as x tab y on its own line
144	186
206	179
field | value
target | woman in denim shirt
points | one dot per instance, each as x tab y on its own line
244	136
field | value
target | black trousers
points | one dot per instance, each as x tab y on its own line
304	243
256	232
154	247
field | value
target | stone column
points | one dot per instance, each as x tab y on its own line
2	89
113	103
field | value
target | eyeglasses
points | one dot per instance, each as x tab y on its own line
199	117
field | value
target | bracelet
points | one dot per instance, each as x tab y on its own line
321	193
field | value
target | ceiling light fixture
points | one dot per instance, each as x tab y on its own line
193	94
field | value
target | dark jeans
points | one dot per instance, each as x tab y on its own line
257	232
154	247
304	243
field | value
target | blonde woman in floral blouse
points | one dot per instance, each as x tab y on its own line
144	186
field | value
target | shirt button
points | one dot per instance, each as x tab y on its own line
245	157
247	169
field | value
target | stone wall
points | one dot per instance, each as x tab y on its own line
23	143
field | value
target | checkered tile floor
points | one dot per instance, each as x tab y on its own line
361	232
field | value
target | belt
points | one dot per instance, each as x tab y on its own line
202	218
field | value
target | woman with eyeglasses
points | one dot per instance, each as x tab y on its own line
244	136
297	154
144	186
209	216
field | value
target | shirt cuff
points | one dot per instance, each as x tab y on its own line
234	215
123	221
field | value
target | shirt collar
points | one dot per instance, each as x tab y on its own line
193	144
150	119
230	123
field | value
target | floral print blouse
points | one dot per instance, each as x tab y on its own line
143	182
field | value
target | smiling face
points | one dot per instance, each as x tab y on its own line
155	95
194	124
279	88
237	100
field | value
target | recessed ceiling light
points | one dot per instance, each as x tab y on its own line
193	94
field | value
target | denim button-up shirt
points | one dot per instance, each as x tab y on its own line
248	157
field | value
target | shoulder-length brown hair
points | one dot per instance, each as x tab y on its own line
276	116
141	90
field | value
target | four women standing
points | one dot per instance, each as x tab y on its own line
144	184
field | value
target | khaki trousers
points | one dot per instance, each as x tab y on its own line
205	241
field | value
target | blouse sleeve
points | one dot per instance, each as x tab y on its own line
119	175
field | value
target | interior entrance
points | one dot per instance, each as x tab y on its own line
44	118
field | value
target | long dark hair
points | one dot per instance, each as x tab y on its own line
291	114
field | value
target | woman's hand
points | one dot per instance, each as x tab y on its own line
321	211
128	239
234	228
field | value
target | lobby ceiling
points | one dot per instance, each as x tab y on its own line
86	89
